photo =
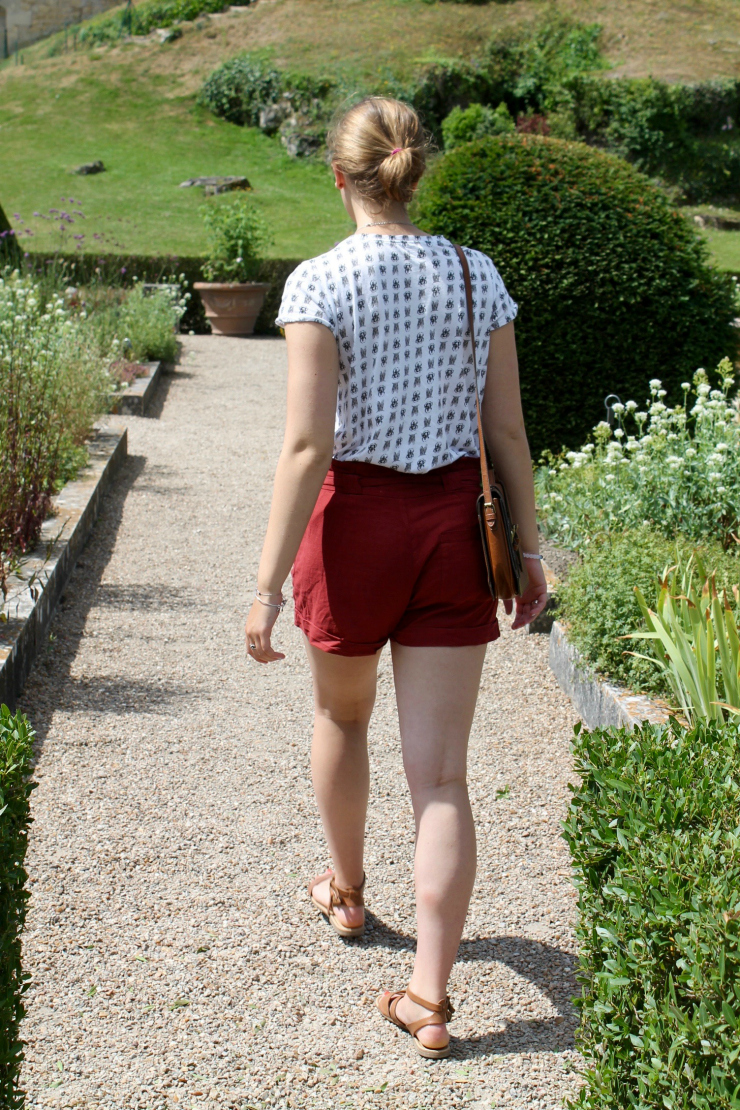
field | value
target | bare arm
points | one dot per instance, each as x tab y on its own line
503	427
313	376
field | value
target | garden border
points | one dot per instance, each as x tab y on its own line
600	704
63	537
135	399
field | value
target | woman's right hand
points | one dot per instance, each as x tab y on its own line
260	623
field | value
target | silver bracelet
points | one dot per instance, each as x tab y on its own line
529	555
271	604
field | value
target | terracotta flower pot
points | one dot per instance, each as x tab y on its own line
232	308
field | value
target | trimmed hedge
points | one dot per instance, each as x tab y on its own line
654	834
121	269
614	286
16	740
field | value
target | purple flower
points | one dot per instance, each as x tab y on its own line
123	269
78	236
16	215
53	211
37	213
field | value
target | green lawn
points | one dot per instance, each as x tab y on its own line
149	144
725	247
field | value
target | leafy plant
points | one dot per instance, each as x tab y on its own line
238	234
567	226
653	834
463	125
676	469
694	637
16	740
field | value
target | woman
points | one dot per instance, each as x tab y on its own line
374	508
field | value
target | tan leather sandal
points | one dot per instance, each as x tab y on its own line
442	1013
340	896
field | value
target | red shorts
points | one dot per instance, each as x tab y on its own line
394	556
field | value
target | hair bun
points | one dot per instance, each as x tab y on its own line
381	146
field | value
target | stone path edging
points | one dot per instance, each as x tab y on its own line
29	611
136	398
600	704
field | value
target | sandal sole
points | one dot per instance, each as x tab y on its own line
342	930
427	1053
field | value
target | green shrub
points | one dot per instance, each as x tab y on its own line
138	325
654	834
684	134
240	87
145	17
598	603
614	286
238	234
16	740
464	125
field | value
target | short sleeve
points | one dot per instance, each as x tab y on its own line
502	308
307	297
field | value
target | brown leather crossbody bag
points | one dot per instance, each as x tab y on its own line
499	535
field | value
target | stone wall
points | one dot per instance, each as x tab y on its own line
25	21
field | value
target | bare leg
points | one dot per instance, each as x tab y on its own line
436	689
344	695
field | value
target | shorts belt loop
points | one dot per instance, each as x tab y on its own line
347	483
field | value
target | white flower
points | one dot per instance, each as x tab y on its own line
686	386
618	408
690	452
703	390
657	408
655	384
721	489
631	406
618	433
640	416
661	393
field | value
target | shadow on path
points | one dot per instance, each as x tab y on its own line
539	962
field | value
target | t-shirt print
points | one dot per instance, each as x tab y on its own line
396	304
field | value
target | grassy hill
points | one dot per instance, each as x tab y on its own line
133	106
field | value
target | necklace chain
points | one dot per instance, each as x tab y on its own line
385	223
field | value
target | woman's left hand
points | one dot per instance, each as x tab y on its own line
260	623
534	598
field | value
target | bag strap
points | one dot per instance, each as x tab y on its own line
487	498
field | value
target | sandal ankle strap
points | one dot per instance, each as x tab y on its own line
444	1008
347	895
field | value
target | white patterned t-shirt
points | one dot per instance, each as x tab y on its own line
396	304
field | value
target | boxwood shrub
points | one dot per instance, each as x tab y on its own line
15	788
613	285
654	834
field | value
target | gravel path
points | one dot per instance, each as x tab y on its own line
175	959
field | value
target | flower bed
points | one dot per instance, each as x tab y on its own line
56	354
659	486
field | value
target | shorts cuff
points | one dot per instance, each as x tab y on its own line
333	645
448	637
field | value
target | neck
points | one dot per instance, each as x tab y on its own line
393	214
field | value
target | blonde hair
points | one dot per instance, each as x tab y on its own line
381	146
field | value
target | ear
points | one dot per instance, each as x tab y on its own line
339	179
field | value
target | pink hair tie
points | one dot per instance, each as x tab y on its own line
396	150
